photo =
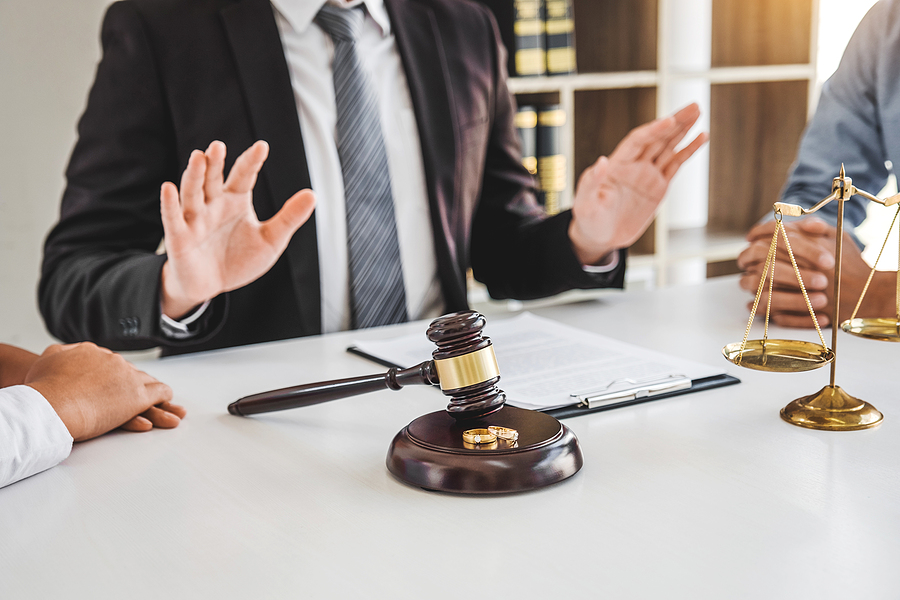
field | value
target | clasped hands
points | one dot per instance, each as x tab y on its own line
812	242
215	243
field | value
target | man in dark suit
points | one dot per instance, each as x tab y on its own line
178	75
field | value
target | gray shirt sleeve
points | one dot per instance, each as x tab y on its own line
848	126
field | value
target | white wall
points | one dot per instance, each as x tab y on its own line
837	22
48	52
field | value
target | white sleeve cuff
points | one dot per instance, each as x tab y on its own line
611	263
180	330
32	436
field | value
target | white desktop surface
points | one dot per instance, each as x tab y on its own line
707	495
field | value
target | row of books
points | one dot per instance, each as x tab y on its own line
540	129
539	34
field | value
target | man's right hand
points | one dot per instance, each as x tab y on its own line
94	391
214	241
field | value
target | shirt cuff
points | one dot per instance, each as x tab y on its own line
612	262
32	436
181	329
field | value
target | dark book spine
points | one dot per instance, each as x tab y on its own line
528	27
560	40
550	157
526	125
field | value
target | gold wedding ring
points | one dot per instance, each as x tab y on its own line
506	434
479	436
491	446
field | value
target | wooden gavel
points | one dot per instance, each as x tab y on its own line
463	365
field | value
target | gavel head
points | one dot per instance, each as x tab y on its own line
466	365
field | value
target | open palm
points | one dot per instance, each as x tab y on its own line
617	197
214	241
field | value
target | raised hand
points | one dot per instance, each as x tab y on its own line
94	391
214	241
617	197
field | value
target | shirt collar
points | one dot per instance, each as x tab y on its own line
300	13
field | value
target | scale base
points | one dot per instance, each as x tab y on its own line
831	409
430	453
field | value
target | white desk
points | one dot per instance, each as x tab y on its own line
708	495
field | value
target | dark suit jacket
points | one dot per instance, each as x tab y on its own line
177	74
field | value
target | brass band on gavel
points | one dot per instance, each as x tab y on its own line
467	370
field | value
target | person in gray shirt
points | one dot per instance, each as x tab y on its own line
857	124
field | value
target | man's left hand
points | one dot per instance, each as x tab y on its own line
617	197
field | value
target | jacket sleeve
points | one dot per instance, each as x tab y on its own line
101	272
516	251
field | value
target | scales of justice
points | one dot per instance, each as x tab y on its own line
831	408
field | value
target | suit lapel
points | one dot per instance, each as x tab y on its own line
265	79
427	74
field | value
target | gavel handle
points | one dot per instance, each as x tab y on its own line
325	391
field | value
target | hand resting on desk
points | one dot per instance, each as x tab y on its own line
94	390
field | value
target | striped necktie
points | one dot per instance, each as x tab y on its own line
377	295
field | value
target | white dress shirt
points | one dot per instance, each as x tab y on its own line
32	436
309	52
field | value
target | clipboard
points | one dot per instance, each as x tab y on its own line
598	401
696	385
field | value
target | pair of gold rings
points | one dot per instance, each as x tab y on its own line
482	437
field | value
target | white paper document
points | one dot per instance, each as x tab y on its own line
545	364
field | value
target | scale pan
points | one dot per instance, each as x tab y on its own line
885	330
783	356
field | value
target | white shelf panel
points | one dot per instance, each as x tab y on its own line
583	81
700	243
632	79
751	74
639	261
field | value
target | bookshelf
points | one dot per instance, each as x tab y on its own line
751	67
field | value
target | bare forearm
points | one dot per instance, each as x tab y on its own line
14	365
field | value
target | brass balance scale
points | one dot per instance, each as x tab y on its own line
831	408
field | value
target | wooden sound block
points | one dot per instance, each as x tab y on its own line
430	453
